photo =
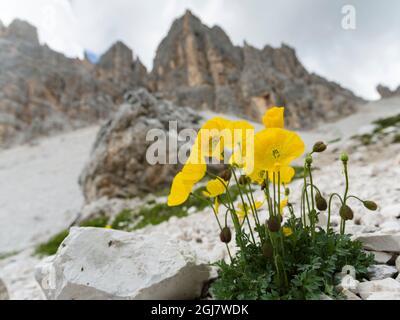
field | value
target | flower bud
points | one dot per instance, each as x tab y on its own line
225	235
274	224
244	180
267	250
226	174
346	212
287	192
344	157
263	185
321	203
370	205
309	160
319	147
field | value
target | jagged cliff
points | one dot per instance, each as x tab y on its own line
42	91
199	66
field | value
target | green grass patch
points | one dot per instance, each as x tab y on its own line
50	247
387	122
380	125
129	220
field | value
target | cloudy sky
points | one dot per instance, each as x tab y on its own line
357	58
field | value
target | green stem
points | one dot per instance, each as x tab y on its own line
244	206
329	208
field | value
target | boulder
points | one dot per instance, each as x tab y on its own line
96	263
381	271
350	295
397	263
381	257
381	242
386	286
118	165
348	283
384	296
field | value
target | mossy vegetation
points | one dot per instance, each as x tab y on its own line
50	247
367	139
129	220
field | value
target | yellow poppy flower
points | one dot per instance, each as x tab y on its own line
241	210
215	188
274	117
259	175
287	231
180	189
240	142
216	205
275	149
210	138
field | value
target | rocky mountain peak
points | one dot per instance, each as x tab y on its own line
118	65
386	92
199	66
21	30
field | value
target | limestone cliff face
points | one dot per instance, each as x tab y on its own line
199	66
42	91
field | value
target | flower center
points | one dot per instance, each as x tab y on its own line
276	154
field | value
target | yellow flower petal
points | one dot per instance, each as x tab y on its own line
215	187
283	204
180	190
276	148
274	117
287	231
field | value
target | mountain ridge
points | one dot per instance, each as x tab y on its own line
42	91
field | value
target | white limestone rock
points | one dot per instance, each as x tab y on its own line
95	263
386	286
381	257
350	295
348	283
397	263
384	296
381	271
381	242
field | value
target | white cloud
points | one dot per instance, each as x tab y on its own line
358	59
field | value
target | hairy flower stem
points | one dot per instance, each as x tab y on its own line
329	209
244	206
306	193
266	191
279	193
220	227
254	204
345	192
312	218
